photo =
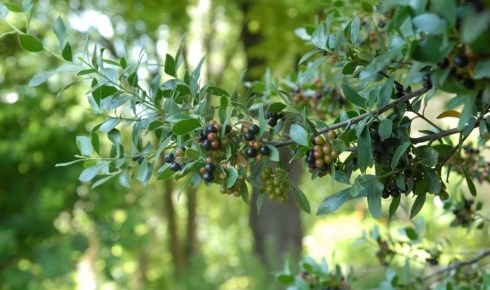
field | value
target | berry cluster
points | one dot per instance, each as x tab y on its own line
273	186
207	171
461	68
209	137
176	158
322	156
255	149
235	189
273	118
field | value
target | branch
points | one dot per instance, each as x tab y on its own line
436	136
406	97
457	265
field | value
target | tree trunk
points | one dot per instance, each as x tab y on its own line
175	246
277	229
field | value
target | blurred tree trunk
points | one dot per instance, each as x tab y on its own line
277	229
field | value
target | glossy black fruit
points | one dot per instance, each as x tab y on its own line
461	60
210	167
206	144
175	166
227	128
208	177
211	128
251	152
248	136
169	158
254	129
264	150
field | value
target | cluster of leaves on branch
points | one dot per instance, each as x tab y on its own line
388	61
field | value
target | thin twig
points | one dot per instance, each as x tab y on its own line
457	265
357	119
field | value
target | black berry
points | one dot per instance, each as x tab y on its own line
210	167
469	83
175	166
461	60
206	144
251	152
264	150
211	128
227	128
248	136
169	158
208	177
254	129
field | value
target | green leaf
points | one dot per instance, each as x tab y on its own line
300	199
66	53
14	7
429	50
385	128
334	201
311	70
417	205
84	145
338	145
3	11
400	150
411	233
276	107
92	171
342	177
231	176
30	43
142	171
385	93
244	193
217	91
353	96
298	134
474	25
365	150
482	69
185	126
109	124
170	67
469	182
124	178
165	172
355	27
59	30
284	278
427	156
395	202
430	23
274	156
41	78
447	9
349	68
466	113
374	189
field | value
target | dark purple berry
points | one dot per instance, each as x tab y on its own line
443	63
251	152
206	144
264	150
211	129
469	83
169	158
248	136
461	60
209	167
208	176
254	129
227	128
268	114
272	122
203	135
175	166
